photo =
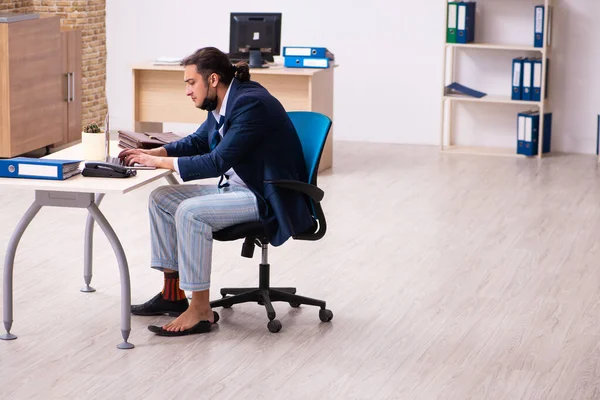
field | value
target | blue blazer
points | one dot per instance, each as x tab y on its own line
260	143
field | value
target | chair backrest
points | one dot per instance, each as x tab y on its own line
312	129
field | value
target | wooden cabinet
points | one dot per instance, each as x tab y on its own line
39	105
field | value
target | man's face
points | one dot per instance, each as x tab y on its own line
195	87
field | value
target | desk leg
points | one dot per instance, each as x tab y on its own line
124	271
9	262
88	247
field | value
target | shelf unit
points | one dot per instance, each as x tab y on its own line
450	53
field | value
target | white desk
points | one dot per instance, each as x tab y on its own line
78	192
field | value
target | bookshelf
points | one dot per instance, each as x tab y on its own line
454	50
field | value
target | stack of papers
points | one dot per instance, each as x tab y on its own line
167	61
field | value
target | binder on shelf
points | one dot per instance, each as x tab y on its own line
306	62
598	136
527	79
306	51
517	80
465	24
521	133
451	22
36	168
528	133
456	88
536	83
526	129
538	38
547	134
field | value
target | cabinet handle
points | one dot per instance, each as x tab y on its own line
72	86
68	99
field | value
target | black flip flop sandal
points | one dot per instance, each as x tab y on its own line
200	327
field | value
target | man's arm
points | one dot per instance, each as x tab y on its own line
191	145
248	127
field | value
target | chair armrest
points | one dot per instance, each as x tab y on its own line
310	190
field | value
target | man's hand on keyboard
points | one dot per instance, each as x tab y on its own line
151	158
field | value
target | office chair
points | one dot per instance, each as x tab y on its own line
312	128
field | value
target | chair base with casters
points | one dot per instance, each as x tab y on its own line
264	294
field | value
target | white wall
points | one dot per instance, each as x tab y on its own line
390	54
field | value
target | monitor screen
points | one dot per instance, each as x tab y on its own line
254	32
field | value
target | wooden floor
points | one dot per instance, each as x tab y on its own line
449	276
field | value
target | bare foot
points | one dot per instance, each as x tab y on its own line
189	318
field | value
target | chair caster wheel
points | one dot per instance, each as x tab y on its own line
325	315
294	305
274	326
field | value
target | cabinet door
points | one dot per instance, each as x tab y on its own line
71	76
35	84
66	86
4	93
74	61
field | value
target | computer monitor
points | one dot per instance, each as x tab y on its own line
255	37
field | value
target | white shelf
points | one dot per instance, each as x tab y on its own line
485	151
491	46
454	51
493	99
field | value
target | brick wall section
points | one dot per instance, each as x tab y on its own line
90	17
16	5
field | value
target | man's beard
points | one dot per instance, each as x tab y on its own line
209	104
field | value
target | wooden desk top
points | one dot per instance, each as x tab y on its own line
272	70
84	184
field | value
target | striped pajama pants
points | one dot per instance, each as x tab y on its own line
182	220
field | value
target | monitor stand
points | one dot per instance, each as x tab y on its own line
255	60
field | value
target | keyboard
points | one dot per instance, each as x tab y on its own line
115	160
118	161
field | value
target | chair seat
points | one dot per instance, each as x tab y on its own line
240	231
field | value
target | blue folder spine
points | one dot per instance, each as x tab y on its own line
547	133
536	82
598	136
305	51
527	79
538	38
465	32
306	62
33	168
528	133
524	133
517	80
